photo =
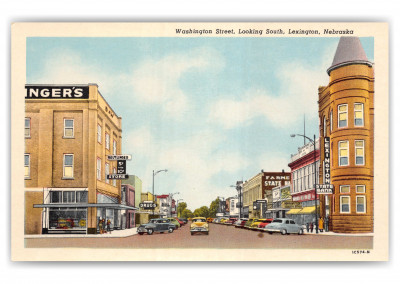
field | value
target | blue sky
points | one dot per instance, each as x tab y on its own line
210	110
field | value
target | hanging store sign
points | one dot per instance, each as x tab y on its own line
117	176
324	188
327	160
147	205
121	167
56	92
119	157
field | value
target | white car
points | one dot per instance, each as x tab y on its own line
284	226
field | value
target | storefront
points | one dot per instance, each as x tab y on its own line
307	213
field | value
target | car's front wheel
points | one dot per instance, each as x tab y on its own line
283	232
150	231
170	230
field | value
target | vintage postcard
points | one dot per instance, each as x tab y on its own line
200	141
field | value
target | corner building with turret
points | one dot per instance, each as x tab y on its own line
346	113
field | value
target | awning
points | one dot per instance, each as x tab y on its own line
307	210
86	205
293	211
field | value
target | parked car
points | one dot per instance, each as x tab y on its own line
262	225
181	223
199	225
284	226
254	225
241	223
249	222
156	225
174	221
184	220
230	221
223	220
210	220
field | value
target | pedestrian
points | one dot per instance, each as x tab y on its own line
308	227
109	226
104	225
311	226
101	226
321	225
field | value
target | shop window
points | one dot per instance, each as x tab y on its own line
360	203
344	204
107	141
27	166
27	127
55	196
99	133
68	196
343	153
358	114
81	196
360	188
359	144
68	128
342	115
98	169
107	172
114	147
68	166
67	219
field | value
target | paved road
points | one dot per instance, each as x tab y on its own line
220	236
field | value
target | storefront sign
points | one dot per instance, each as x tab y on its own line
276	194
121	167
147	205
327	160
117	176
324	188
57	92
119	157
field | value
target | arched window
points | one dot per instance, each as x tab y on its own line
324	126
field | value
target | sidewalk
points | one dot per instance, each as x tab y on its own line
113	234
339	234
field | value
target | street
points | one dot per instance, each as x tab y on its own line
220	236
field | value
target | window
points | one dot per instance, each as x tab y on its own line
27	165
69	197
107	172
99	133
360	188
81	196
360	203
358	114
342	115
68	128
343	153
344	188
68	166
324	126
98	169
55	196
359	144
27	127
107	141
114	181
331	120
344	204
114	147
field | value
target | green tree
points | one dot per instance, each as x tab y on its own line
181	206
213	208
187	213
203	211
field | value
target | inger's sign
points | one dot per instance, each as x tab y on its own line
56	92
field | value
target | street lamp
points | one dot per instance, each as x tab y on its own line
315	177
154	174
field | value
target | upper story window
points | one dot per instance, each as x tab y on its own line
107	141
114	147
344	204
27	127
68	128
68	166
27	165
358	114
343	153
345	189
98	169
99	133
360	203
331	120
81	196
360	188
360	160
68	196
55	196
324	126
342	115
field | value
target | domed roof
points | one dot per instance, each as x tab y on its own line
349	51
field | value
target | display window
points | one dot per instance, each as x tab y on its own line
67	219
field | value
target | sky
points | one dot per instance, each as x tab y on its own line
211	111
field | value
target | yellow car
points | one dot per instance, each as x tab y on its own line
199	225
223	220
254	225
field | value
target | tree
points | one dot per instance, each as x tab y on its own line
186	213
181	206
203	211
214	208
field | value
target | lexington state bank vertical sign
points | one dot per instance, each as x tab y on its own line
56	92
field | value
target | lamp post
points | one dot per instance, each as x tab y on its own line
154	174
315	177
